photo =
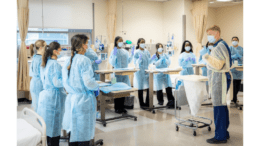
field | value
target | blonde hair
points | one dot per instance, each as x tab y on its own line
214	28
37	45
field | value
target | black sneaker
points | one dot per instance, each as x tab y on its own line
124	111
214	141
118	111
160	102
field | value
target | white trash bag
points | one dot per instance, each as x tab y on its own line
196	92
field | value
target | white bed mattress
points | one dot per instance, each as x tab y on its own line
27	135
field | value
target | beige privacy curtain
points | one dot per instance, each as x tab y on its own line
23	79
200	15
111	28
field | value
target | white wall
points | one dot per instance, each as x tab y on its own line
230	20
172	23
76	14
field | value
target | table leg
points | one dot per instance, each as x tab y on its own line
197	71
150	90
103	77
102	106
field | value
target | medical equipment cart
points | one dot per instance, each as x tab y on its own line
193	122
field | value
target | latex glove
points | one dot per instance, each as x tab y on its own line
115	51
153	57
234	57
140	56
188	59
238	55
193	60
133	50
97	92
98	61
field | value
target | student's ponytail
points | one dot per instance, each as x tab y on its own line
76	46
49	52
31	48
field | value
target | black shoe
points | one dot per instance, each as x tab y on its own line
129	107
119	111
160	103
228	137
144	107
214	141
170	103
124	111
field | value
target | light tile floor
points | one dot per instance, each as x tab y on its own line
159	129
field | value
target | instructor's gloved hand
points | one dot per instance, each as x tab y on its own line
115	51
98	61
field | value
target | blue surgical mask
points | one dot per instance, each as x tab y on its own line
120	44
142	45
210	47
235	43
211	39
160	50
187	48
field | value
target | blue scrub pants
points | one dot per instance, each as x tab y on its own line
221	118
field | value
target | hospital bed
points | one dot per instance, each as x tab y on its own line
194	100
31	129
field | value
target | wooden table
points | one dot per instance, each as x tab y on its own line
117	72
239	68
151	73
103	104
197	68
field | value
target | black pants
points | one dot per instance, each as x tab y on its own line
82	143
53	141
236	85
168	92
119	103
141	98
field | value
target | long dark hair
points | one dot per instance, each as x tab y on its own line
76	46
139	40
157	47
116	39
49	52
183	46
207	45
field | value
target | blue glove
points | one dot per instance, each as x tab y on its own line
97	92
234	57
133	50
188	59
203	51
153	57
193	60
238	55
98	61
115	51
140	56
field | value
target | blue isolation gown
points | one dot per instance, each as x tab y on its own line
121	60
187	68
36	83
92	55
52	98
237	54
80	106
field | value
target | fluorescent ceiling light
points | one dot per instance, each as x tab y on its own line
211	2
224	0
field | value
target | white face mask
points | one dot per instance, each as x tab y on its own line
187	48
160	50
142	45
235	43
120	44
